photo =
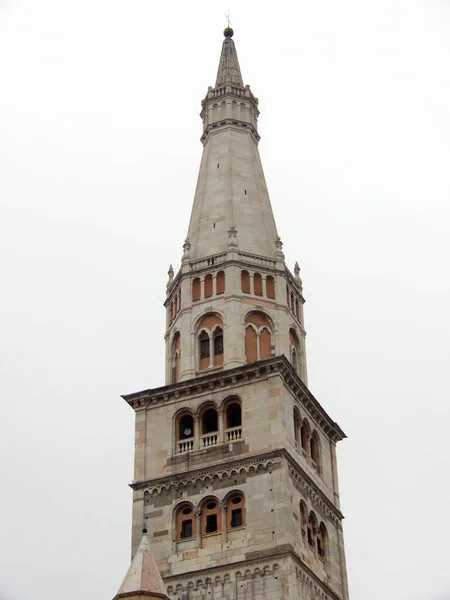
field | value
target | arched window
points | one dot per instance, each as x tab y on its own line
175	359
204	350
211	522
185	432
311	529
297	426
245	282
208	286
305	434
297	310
184	521
235	510
270	286
196	288
292	303
288	297
294	348
218	347
257	284
303	518
258	337
220	282
314	450
233	421
321	541
209	421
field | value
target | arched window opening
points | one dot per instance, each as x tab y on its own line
251	344
185	522
294	347
288	297
314	450
204	350
196	288
311	528
185	433
321	541
292	303
265	342
220	282
235	511
296	426
209	421
234	415
218	347
233	422
270	286
297	310
257	284
210	517
176	347
208	286
303	518
245	282
305	436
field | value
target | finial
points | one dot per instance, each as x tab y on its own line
279	248
228	32
297	271
170	274
232	236
144	529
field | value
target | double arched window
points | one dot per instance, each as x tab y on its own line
258	337
210	342
306	441
313	534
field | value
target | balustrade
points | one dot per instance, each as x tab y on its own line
186	445
234	433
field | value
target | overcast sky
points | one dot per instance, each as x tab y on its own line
99	155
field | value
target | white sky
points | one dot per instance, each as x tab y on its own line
99	154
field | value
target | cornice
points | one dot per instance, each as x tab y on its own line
241	126
249	569
152	398
225	468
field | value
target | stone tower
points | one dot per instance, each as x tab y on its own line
235	464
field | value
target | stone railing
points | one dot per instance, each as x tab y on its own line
209	439
208	262
186	445
233	434
253	259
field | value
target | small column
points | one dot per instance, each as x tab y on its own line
252	287
211	350
196	432
221	426
198	526
214	286
223	515
264	286
202	288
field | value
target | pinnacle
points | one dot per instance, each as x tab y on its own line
229	71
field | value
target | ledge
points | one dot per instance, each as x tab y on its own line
154	397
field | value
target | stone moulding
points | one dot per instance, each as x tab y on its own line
230	469
259	568
152	398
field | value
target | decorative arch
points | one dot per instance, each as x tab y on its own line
322	541
258	336
314	450
210	341
294	348
233	419
175	357
220	282
185	525
305	435
270	286
311	527
297	426
257	284
209	425
184	430
210	516
208	286
196	289
245	282
303	518
235	507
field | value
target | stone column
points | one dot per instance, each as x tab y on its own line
198	526
196	432
221	426
211	350
223	515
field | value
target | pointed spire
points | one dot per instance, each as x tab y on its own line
229	71
143	577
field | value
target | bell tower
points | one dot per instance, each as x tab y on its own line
235	464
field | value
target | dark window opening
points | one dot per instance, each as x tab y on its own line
236	517
234	417
214	225
218	345
217	165
211	523
187	511
209	423
186	427
320	549
310	537
204	348
245	192
186	528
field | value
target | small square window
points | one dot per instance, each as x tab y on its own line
236	517
211	523
186	528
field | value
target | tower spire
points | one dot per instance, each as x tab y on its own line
229	72
143	577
